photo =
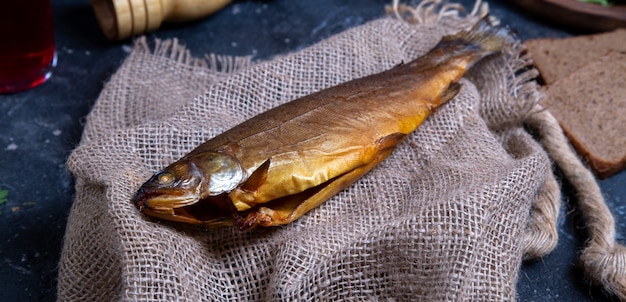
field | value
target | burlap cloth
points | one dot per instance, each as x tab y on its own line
445	217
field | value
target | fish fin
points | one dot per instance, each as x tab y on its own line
450	92
483	39
486	35
257	178
391	140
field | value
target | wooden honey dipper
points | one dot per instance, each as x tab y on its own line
120	19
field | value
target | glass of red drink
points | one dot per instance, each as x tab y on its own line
27	51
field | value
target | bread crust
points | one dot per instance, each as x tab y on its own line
557	58
590	105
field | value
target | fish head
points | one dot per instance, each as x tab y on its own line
175	192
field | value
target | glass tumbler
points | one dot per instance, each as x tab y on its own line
27	50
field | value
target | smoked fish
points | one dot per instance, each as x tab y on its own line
275	167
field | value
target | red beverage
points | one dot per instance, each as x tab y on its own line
27	52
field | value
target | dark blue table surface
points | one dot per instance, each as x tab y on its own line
40	127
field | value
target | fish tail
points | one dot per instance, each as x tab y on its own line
480	41
486	36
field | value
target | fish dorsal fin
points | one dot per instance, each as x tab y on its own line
257	178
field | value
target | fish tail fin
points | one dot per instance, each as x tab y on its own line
480	41
455	54
486	36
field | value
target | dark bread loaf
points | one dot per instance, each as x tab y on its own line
590	105
557	58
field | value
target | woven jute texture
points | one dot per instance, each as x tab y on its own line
443	218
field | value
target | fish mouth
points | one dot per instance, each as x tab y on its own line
167	202
200	213
164	201
166	206
182	206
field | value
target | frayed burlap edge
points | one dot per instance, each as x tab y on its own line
206	71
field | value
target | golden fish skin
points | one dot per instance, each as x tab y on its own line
280	164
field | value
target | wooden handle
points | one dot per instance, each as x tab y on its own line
120	19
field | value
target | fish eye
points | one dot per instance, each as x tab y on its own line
165	178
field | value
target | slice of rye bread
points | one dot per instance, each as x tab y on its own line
590	105
557	58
